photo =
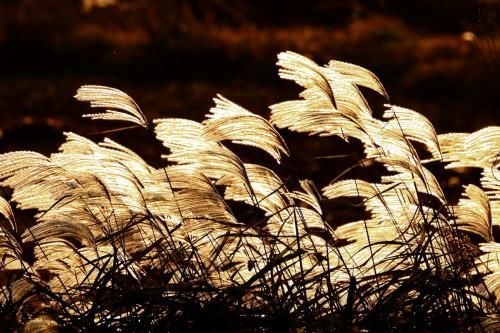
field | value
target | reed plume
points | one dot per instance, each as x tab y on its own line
117	244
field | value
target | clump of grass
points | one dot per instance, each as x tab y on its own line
115	244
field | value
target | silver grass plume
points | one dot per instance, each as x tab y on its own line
107	222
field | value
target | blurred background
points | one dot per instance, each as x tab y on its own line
172	56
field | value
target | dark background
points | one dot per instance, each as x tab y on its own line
172	57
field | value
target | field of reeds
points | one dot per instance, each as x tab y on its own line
93	238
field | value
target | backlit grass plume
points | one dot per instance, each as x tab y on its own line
94	238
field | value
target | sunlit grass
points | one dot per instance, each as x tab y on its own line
94	238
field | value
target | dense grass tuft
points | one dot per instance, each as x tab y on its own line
93	238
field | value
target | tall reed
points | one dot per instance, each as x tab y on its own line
116	244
